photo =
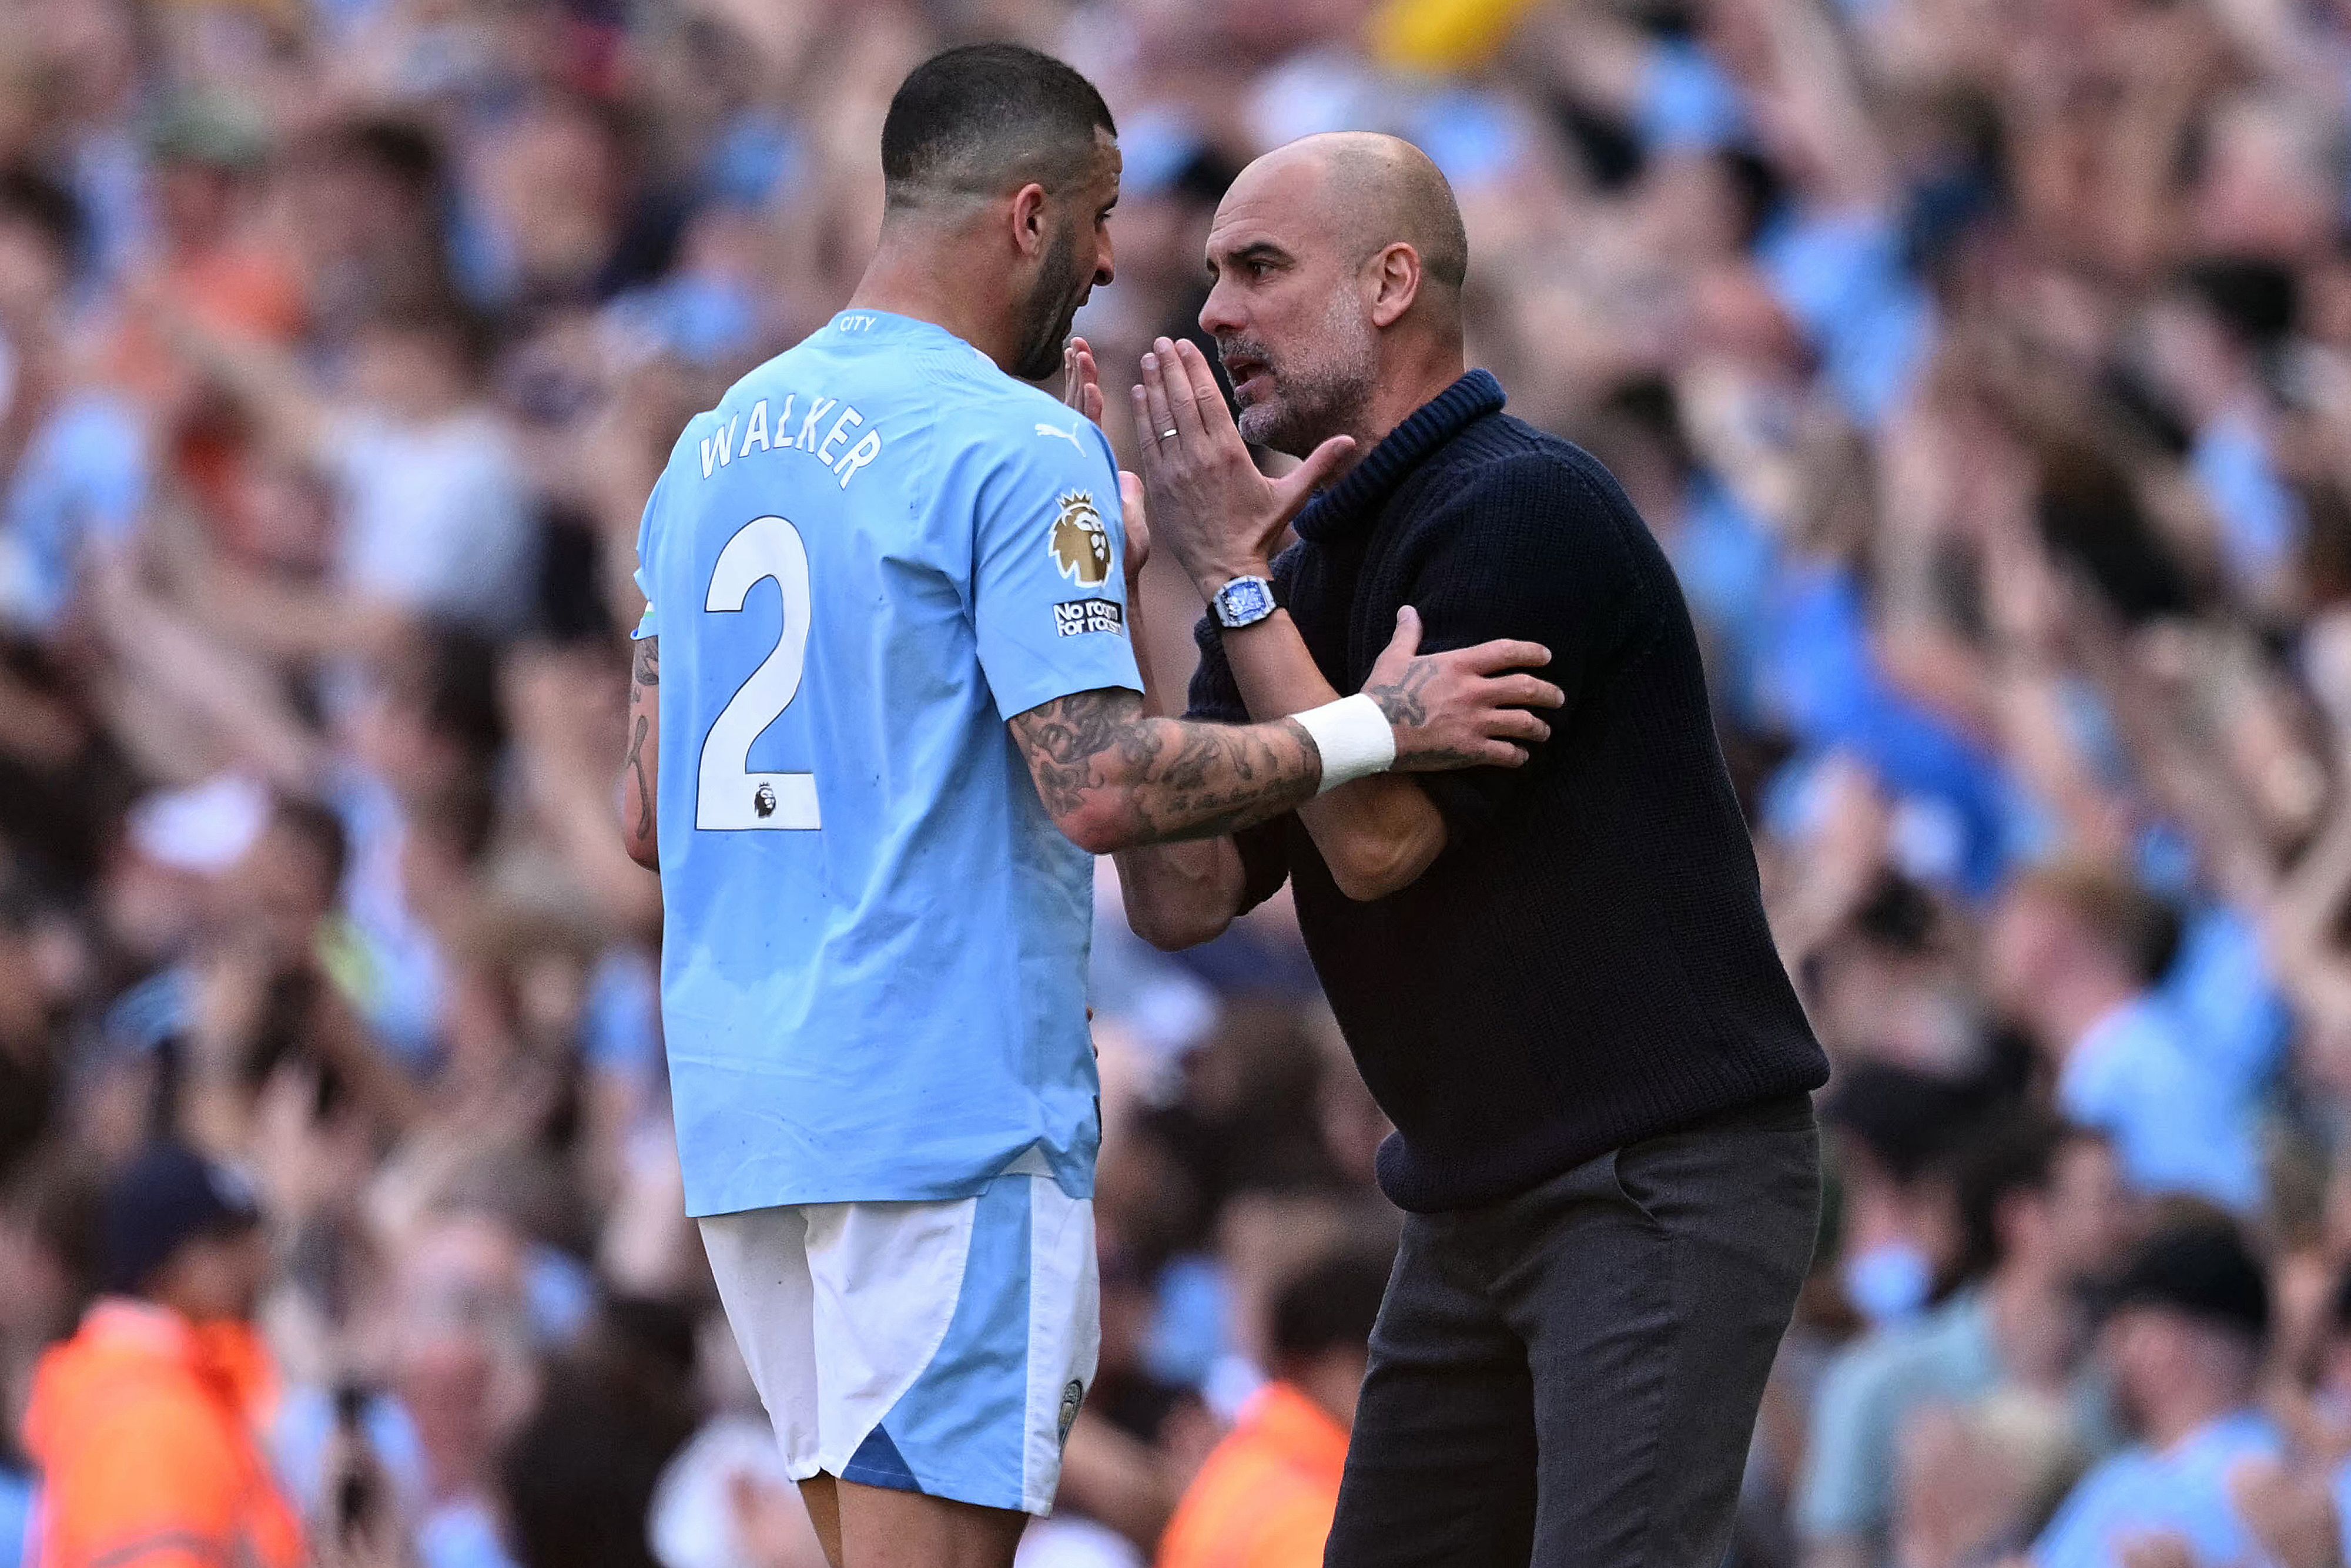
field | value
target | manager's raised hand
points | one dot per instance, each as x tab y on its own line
1210	507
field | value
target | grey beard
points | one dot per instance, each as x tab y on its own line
1305	411
1297	420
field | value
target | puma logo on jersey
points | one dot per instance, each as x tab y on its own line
1069	435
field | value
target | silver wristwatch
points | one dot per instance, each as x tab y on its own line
1243	601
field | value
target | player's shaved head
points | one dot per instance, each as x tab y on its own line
1000	169
984	120
1338	262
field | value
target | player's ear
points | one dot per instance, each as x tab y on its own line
1395	283
1029	218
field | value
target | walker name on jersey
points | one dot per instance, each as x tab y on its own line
826	430
1076	617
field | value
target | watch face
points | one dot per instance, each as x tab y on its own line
1245	599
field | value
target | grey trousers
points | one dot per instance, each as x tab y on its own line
1568	1378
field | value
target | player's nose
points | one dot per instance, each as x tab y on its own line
1106	267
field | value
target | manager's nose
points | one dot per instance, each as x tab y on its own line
1221	315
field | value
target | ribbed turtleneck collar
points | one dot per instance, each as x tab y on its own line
1372	481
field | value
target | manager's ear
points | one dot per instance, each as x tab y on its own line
1029	204
1396	278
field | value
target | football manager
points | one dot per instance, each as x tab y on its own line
1556	978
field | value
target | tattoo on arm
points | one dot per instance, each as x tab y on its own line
644	674
1406	702
1401	699
1173	779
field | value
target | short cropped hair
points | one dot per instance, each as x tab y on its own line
985	118
2007	1153
34	202
1329	1305
2139	928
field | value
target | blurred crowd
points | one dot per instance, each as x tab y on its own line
1984	366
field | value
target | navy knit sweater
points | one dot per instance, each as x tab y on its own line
1586	964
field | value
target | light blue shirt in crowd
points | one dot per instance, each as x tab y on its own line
2230	1011
1726	562
2178	1126
1874	1387
81	481
451	1532
2261	518
1687	102
874	552
1869	1391
2184	1491
1843	275
16	1496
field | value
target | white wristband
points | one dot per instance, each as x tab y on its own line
1353	738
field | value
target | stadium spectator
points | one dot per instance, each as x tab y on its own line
1265	1497
2075	953
459	1371
1894	1129
145	1424
2042	1215
77	474
2189	1319
436	507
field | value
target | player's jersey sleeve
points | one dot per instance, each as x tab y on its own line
1048	588
649	624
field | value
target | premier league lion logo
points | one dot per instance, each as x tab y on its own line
764	803
1080	544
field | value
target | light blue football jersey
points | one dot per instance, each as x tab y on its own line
873	552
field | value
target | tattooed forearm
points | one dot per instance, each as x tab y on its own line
634	767
638	766
1114	776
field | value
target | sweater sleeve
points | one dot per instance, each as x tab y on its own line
1534	549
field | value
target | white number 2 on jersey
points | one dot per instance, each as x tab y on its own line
729	797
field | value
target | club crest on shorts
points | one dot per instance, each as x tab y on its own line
1072	1397
1080	544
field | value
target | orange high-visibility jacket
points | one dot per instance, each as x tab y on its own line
145	1429
1265	1497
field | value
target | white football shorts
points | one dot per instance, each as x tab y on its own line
942	1348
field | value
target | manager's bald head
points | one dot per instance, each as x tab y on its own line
1339	261
1380	190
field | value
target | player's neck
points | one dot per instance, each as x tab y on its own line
920	286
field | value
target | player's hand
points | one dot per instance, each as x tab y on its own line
1467	708
1080	386
1211	507
1138	527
